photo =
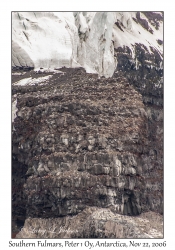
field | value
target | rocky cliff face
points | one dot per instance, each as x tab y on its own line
148	81
90	147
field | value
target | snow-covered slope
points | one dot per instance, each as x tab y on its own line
87	39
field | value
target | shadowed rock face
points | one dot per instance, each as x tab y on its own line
85	141
145	74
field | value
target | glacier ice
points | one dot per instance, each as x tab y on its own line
73	39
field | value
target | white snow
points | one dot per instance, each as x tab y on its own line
83	24
33	81
44	37
18	73
48	70
87	39
136	34
14	110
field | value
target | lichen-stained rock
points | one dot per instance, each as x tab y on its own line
84	142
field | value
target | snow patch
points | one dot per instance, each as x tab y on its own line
48	70
18	73
14	110
33	81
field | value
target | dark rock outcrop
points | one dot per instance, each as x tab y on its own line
145	74
87	142
94	222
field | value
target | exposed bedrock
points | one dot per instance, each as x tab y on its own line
82	141
94	222
145	74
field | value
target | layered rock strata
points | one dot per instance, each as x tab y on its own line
79	142
145	74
